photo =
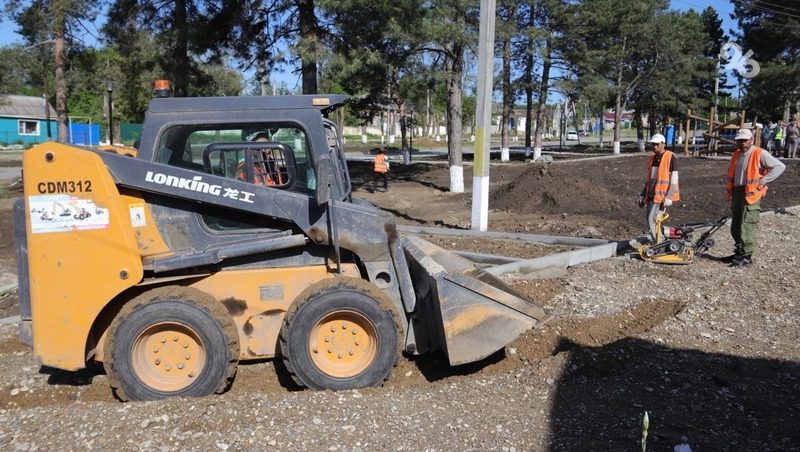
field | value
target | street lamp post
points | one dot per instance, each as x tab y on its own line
677	120
110	90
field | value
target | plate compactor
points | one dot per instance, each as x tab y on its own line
674	244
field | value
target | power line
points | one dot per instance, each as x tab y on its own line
752	5
775	5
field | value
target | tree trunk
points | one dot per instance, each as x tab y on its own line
787	110
617	120
508	95
262	77
60	20
181	53
543	89
652	121
639	129
528	77
401	109
454	63
309	38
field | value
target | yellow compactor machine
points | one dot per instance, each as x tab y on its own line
230	234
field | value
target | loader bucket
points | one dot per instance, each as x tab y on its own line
462	309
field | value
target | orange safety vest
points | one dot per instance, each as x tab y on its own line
662	179
753	190
259	177
380	164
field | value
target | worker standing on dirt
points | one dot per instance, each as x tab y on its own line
750	170
661	185
380	170
792	138
777	138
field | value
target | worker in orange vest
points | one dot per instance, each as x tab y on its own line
380	170
749	172
661	184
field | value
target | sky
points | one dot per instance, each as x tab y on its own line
723	7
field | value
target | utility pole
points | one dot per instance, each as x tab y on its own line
483	118
110	90
716	93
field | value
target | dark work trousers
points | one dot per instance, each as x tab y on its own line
744	223
376	176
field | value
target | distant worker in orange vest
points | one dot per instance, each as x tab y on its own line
380	170
661	186
749	172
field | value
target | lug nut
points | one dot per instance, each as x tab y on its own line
355	331
187	356
180	365
158	361
175	339
168	367
327	338
163	339
351	352
330	350
339	356
358	343
344	326
185	345
155	349
333	329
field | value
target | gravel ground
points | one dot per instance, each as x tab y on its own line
710	352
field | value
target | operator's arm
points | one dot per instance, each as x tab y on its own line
774	168
673	178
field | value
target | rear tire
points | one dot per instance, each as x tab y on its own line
342	333
171	342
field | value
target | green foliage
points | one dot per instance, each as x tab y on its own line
17	72
773	34
405	52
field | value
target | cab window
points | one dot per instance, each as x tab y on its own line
183	146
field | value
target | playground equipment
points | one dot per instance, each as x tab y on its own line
717	132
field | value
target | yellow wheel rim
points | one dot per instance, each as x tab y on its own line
168	356
343	344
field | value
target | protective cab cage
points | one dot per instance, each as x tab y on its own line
265	163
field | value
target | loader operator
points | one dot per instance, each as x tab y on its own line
265	170
661	185
750	170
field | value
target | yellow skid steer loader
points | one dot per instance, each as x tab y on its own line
207	246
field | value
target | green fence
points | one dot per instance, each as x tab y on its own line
130	132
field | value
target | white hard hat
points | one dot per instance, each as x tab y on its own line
658	138
743	134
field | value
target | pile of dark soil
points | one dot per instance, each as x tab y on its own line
609	189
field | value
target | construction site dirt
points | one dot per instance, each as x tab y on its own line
711	353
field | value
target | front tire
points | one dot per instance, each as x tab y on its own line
171	342
342	333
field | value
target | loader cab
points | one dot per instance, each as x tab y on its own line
178	130
278	158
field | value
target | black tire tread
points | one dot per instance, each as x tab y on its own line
333	285
191	295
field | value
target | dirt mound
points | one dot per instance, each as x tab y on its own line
556	189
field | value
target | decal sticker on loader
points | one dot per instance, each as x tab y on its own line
138	220
61	213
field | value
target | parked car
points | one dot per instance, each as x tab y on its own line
583	132
572	135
